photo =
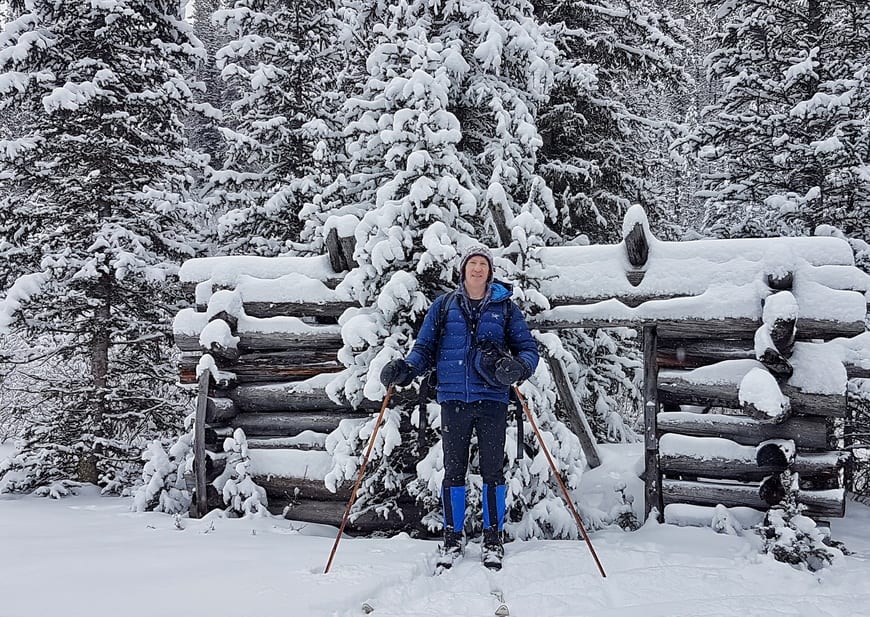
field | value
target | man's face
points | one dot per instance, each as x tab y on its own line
477	270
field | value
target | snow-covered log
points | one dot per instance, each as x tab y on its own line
574	315
277	366
718	385
220	410
761	398
289	423
690	354
826	503
307	395
574	412
331	513
711	457
313	309
776	453
328	340
806	432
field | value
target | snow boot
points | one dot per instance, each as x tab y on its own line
450	551
492	551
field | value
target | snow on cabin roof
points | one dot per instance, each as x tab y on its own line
227	270
702	279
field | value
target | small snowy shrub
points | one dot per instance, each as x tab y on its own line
164	488
793	538
240	493
623	513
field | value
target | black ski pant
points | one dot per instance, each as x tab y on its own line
459	420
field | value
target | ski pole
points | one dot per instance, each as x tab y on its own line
359	478
561	482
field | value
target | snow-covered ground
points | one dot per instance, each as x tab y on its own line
89	556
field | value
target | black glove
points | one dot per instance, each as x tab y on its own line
396	372
508	370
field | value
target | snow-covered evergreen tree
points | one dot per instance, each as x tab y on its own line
164	487
441	146
94	204
604	126
791	537
236	485
788	138
281	67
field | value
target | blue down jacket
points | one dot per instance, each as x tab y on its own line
457	379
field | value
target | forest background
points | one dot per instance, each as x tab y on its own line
136	135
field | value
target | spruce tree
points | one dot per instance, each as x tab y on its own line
607	122
441	149
280	65
788	139
94	203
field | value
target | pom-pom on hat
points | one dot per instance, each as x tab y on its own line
476	250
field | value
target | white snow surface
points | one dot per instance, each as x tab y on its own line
759	388
55	550
227	270
723	278
817	370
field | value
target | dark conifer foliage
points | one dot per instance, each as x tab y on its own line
92	219
788	138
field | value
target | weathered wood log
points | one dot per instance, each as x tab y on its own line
776	455
761	397
782	333
500	222
696	329
252	373
231	320
293	489
780	281
636	246
776	363
807	432
292	396
745	468
653	472
771	490
220	410
574	412
334	250
683	354
297	309
199	444
290	423
635	277
829	503
675	389
265	341
332	512
348	246
767	352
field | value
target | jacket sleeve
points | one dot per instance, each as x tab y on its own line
422	356
521	342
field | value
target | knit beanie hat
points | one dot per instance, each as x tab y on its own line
476	250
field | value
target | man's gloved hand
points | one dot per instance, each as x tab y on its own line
396	372
508	370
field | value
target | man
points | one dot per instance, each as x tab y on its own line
480	344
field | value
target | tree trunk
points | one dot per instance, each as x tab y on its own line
87	467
